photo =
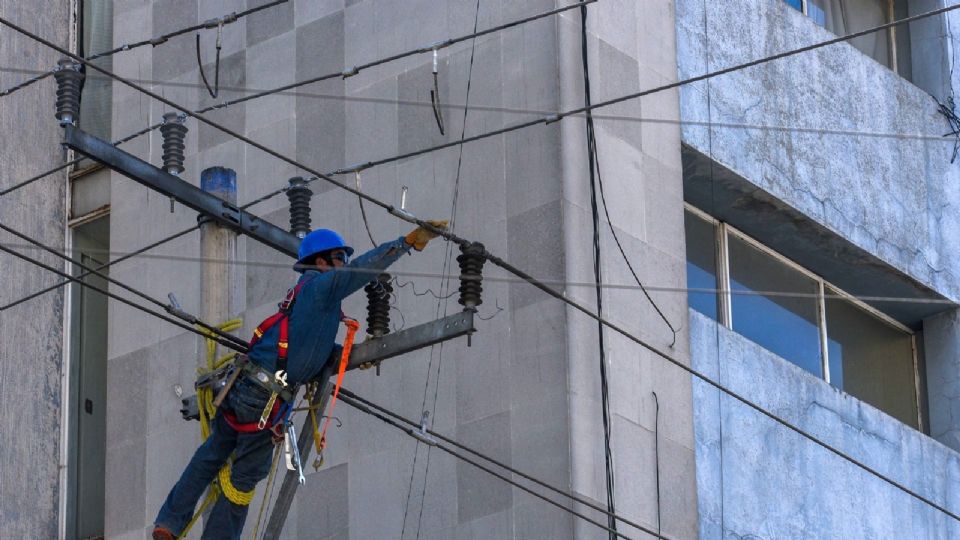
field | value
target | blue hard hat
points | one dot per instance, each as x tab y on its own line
317	242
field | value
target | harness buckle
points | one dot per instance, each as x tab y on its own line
281	378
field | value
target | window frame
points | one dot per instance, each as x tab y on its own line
891	32
725	305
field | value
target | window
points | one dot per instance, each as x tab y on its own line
96	36
798	316
889	47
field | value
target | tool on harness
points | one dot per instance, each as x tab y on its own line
321	441
292	451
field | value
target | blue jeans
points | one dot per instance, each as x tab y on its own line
252	459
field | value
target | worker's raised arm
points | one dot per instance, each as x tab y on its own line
364	269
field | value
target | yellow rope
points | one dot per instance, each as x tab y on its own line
205	399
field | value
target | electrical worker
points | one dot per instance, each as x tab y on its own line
246	424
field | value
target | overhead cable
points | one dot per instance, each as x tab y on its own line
284	88
505	279
226	343
575	498
415	433
404	216
218	23
594	174
99	268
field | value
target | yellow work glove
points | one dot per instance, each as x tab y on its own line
419	237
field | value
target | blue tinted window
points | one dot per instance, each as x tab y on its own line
795	4
775	305
701	265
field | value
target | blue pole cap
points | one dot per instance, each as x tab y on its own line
221	182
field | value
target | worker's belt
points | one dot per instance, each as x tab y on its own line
265	379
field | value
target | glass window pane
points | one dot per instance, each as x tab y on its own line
844	17
871	360
795	4
701	264
786	325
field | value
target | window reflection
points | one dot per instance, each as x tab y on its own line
701	264
786	325
870	359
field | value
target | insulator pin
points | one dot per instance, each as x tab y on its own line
69	82
299	195
173	131
378	305
471	269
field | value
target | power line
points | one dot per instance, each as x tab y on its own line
99	268
179	313
415	434
284	88
505	279
212	23
594	166
226	343
542	112
404	216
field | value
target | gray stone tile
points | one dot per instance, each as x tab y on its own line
269	22
321	120
178	54
617	74
126	388
124	506
478	493
268	283
325	497
532	164
535	245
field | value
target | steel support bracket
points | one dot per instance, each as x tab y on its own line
184	192
407	340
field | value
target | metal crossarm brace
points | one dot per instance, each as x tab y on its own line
370	351
187	194
411	339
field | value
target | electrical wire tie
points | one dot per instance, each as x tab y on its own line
158	41
347	73
552	118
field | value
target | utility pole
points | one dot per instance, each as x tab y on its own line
218	250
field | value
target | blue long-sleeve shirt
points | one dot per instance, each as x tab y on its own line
316	313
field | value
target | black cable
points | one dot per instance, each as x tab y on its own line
445	282
595	216
575	498
415	434
656	454
522	274
175	322
87	271
212	23
99	268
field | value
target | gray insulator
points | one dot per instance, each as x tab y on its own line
173	131
69	82
471	267
378	305
299	195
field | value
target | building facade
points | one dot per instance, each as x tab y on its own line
793	224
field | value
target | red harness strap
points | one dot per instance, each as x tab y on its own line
283	317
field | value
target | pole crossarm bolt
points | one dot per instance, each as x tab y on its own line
173	131
299	195
69	82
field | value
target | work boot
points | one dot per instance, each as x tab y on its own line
162	533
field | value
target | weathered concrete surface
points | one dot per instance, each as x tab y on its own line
756	478
31	350
883	186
